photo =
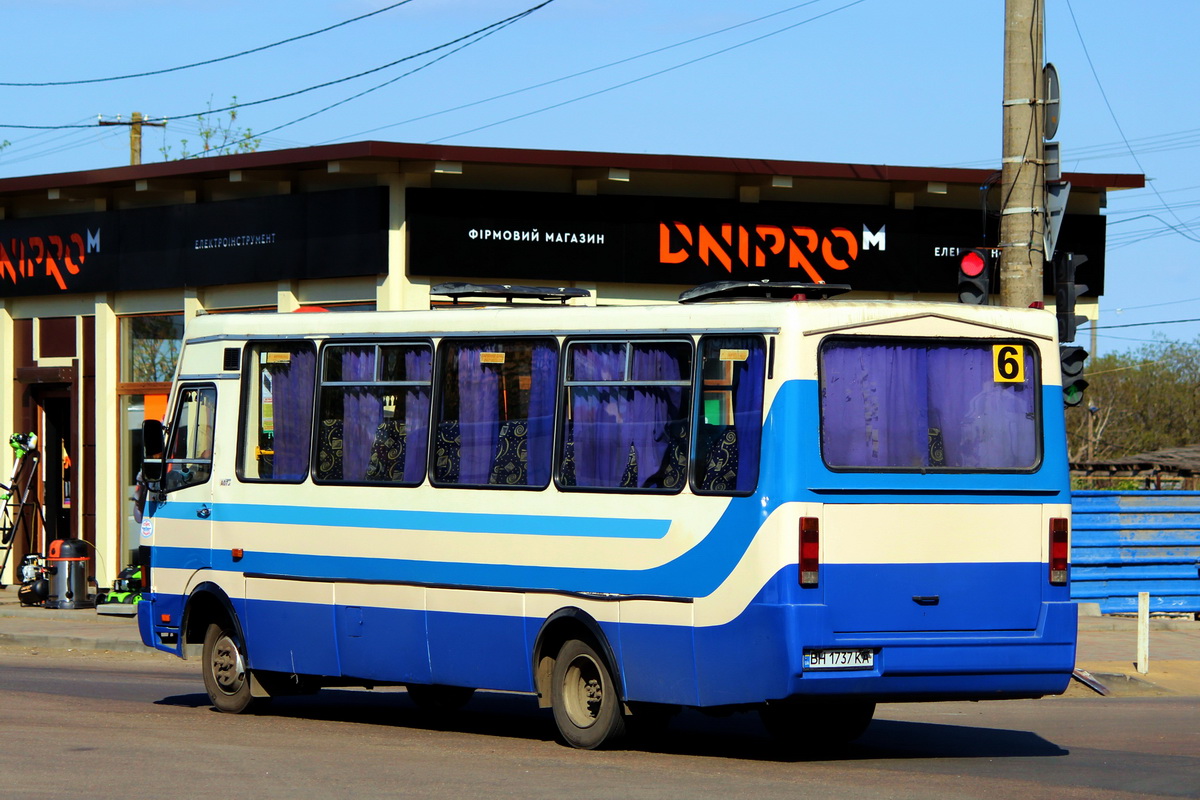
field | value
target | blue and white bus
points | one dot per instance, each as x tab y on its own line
802	506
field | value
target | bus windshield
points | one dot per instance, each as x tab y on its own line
914	405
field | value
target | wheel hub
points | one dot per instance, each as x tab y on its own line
583	692
228	669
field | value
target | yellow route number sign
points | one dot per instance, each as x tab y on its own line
1008	363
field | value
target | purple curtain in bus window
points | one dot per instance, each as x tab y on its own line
479	414
601	451
652	408
897	406
292	390
541	413
362	411
874	406
747	412
982	423
626	429
418	366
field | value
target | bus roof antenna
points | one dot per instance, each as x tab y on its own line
508	293
762	290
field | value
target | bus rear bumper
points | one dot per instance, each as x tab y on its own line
943	665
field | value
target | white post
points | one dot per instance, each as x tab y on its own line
1143	642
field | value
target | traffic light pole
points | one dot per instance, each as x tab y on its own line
1022	220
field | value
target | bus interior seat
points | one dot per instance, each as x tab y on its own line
386	464
329	449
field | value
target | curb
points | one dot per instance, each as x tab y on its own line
59	642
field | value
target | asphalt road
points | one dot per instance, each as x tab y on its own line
84	725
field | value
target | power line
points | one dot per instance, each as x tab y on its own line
574	75
211	60
1180	229
645	77
1145	324
1156	305
1104	95
372	89
498	24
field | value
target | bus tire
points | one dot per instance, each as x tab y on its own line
223	662
813	725
584	697
437	697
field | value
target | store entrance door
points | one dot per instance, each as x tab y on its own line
54	440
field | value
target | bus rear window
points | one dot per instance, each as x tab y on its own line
925	406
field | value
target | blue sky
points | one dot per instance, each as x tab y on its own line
866	81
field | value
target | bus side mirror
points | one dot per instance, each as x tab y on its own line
153	446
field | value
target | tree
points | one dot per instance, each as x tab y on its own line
1139	401
219	135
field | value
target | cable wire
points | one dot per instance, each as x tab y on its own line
367	91
1116	122
644	77
499	23
574	75
209	61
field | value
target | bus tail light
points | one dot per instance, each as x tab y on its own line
1060	556
810	551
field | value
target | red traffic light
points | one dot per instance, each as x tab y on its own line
973	277
972	264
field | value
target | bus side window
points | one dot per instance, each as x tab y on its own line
628	412
189	452
277	406
729	430
495	420
373	425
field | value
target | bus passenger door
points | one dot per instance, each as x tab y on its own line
179	523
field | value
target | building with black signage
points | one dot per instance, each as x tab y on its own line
100	270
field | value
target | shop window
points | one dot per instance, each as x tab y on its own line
150	347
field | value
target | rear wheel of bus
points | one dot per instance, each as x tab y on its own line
226	676
584	697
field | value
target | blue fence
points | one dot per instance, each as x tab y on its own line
1123	543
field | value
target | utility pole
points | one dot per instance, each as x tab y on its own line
135	123
1023	209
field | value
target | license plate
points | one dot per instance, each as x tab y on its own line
839	659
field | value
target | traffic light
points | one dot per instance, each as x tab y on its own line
1065	293
973	269
1073	384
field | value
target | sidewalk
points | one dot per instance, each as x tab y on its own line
1107	645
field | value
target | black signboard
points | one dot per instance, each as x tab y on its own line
529	236
312	235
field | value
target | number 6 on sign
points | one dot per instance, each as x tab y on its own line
1008	363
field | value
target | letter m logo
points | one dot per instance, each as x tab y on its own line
93	241
878	240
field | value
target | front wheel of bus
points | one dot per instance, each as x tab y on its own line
587	706
226	676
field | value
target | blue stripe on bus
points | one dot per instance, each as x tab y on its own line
438	521
696	573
